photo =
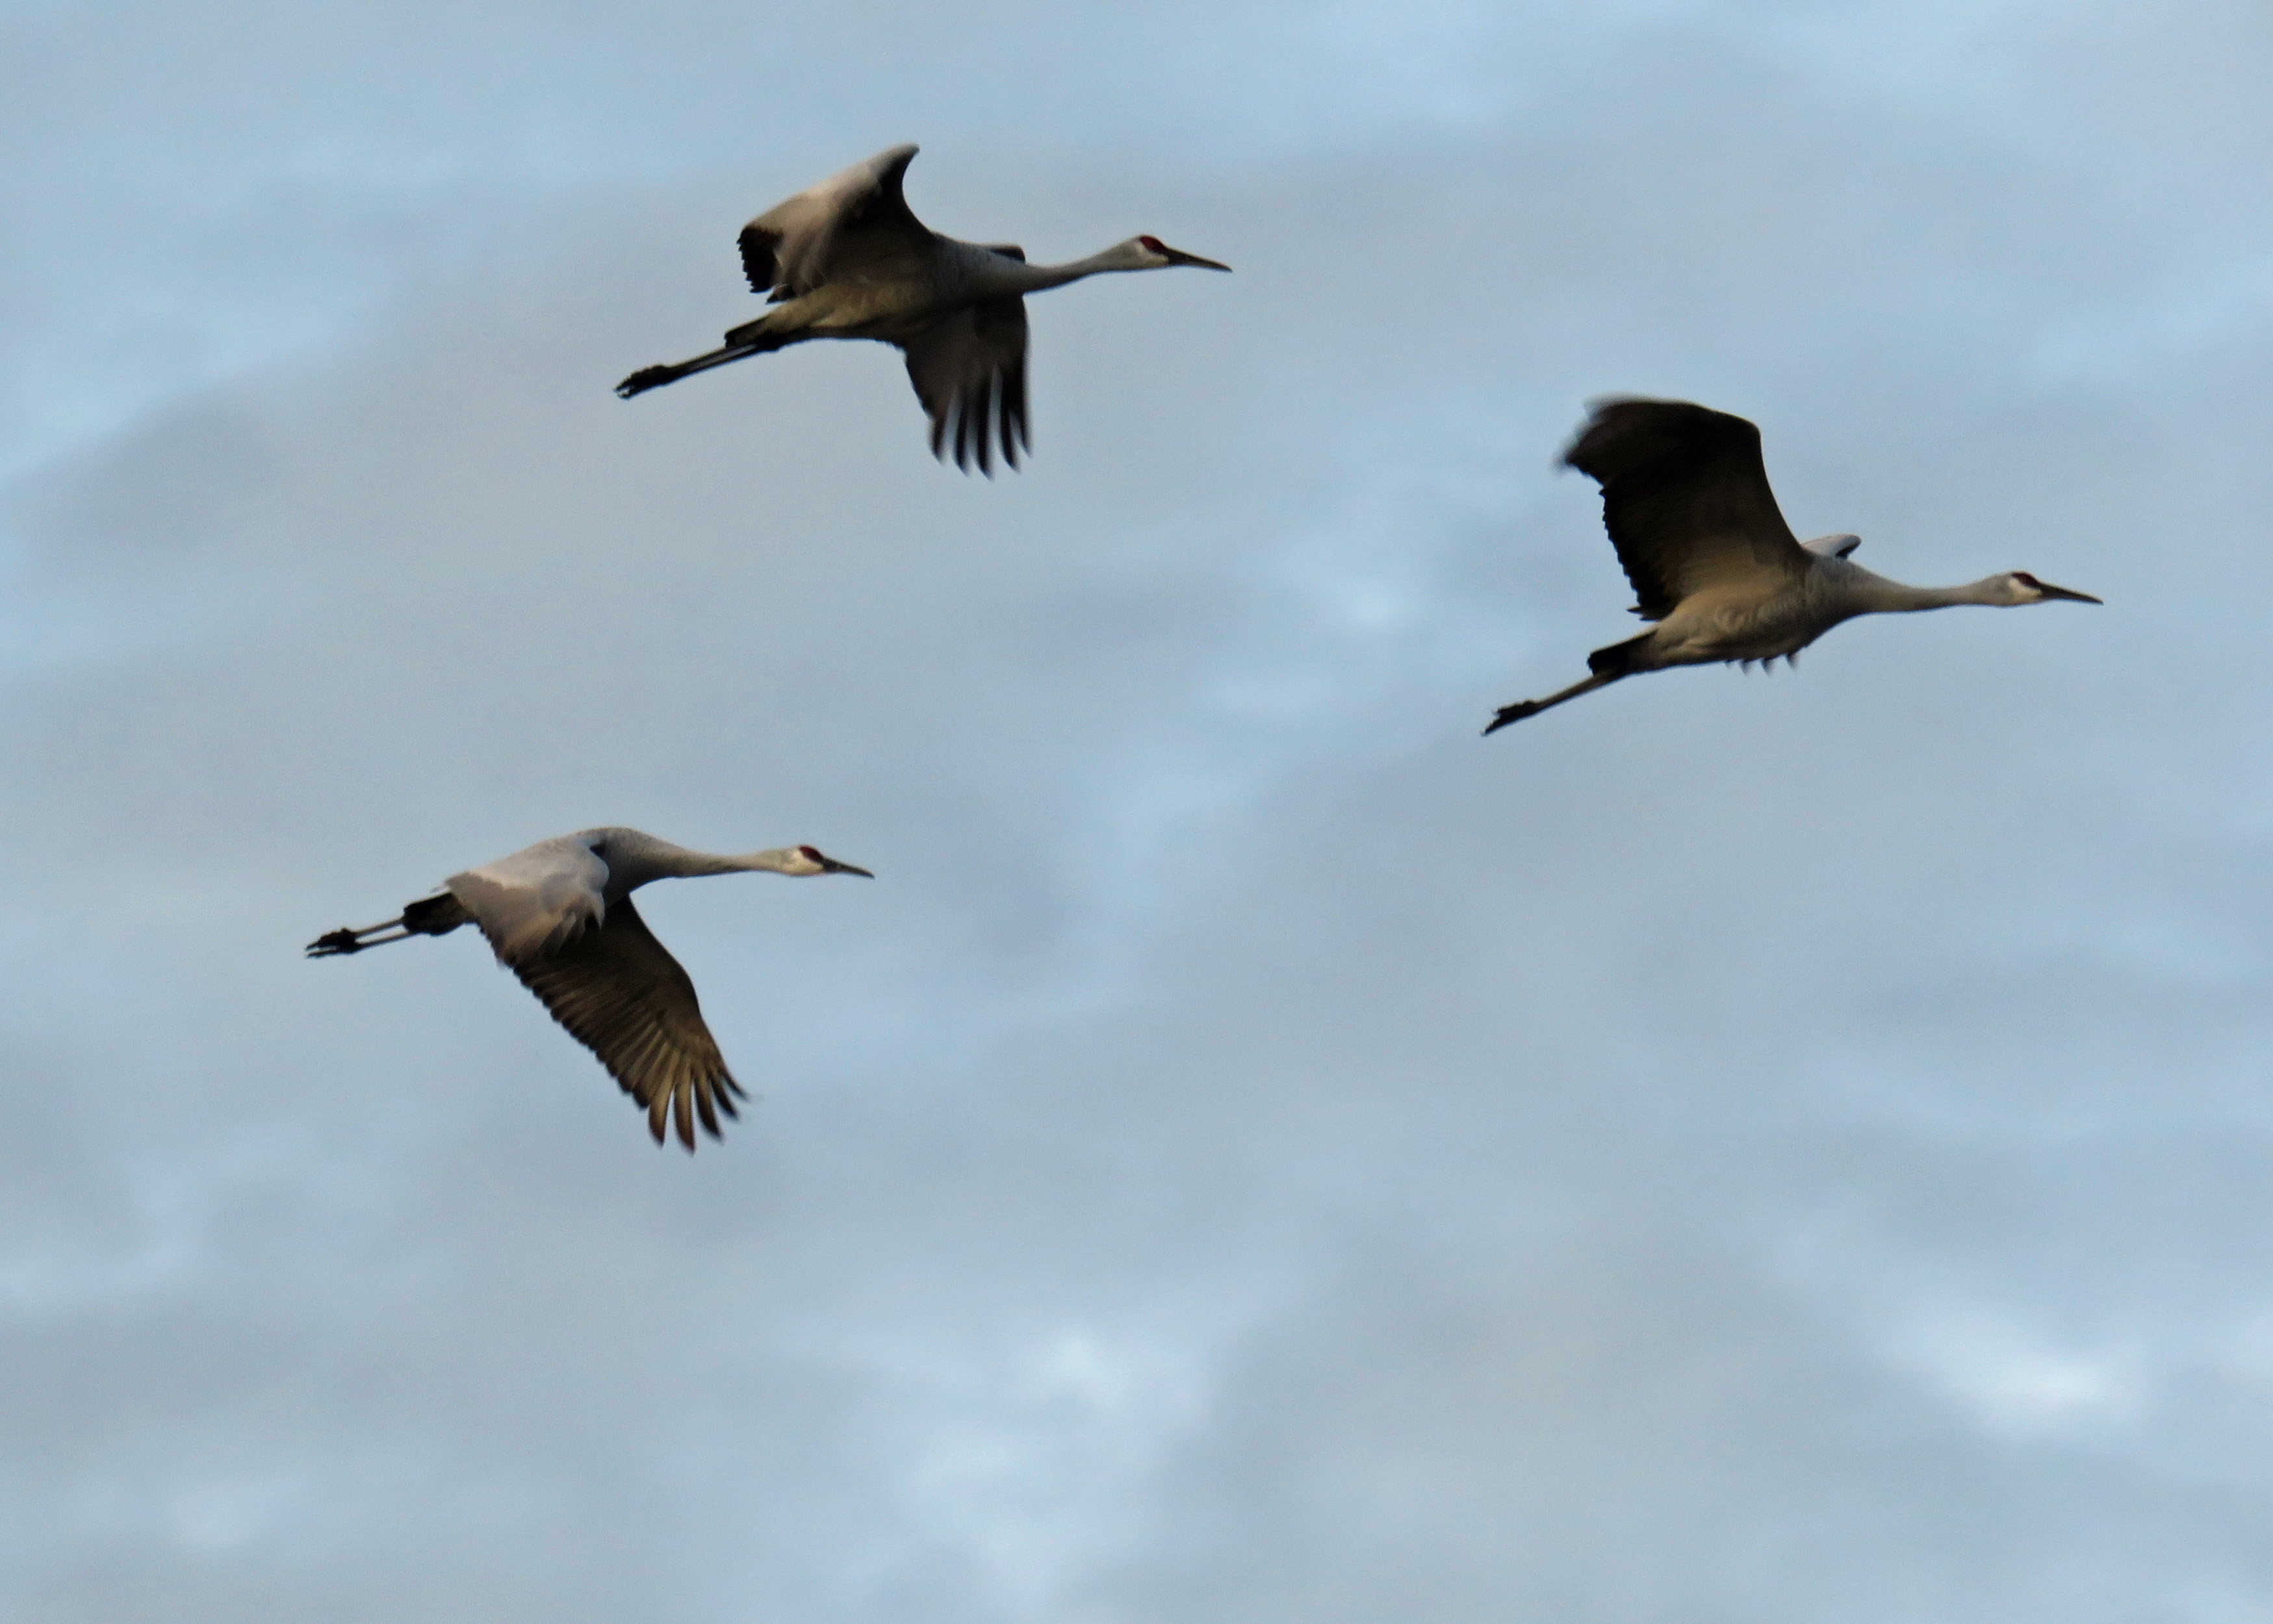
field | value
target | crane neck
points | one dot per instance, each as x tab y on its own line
689	865
635	858
1875	594
999	273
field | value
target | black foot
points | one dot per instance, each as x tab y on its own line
1512	713
647	377
340	941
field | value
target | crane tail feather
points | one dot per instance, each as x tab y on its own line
1619	659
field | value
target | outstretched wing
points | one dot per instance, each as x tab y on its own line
1686	499
829	230
621	995
969	369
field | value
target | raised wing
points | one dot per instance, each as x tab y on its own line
969	369
1686	499
537	901
621	995
832	230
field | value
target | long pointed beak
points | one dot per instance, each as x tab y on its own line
2050	591
829	864
1177	256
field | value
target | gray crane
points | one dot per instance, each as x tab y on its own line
558	915
1686	499
847	259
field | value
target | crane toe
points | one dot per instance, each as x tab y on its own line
1512	713
647	377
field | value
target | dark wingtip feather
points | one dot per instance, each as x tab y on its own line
1011	399
683	1114
1629	433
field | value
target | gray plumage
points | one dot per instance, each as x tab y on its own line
559	914
848	258
1686	502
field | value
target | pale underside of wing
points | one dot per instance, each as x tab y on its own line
1686	500
969	370
831	231
619	993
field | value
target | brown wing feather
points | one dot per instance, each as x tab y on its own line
1685	498
620	994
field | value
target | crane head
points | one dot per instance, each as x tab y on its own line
2026	589
1157	255
808	860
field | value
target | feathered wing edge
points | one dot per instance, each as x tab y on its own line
786	251
969	370
618	991
1685	496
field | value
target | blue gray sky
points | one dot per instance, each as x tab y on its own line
1741	1149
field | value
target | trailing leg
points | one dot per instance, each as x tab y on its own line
347	939
428	916
1620	659
750	338
655	377
1532	707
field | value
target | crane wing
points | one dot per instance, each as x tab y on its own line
832	230
537	901
969	370
621	995
1686	500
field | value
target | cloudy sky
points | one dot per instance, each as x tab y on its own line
1741	1150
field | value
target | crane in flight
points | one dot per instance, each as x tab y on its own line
847	259
558	915
1686	499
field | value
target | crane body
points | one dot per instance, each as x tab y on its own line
1686	500
847	259
559	914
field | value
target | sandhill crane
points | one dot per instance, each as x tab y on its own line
1686	499
846	259
560	915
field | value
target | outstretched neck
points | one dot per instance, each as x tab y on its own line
1877	595
780	859
635	860
1009	275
